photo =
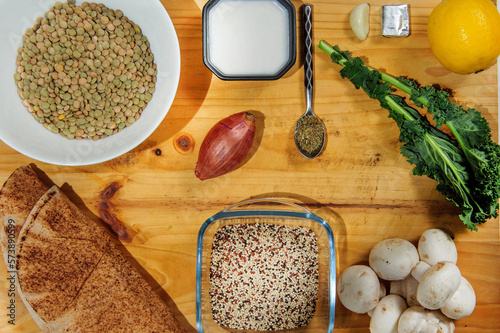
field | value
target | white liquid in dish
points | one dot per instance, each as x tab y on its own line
248	37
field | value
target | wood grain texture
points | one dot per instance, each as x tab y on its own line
360	184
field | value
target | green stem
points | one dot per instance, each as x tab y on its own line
398	108
457	135
328	49
401	86
324	46
431	140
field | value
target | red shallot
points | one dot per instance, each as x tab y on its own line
226	145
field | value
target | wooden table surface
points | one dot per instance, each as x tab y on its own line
360	184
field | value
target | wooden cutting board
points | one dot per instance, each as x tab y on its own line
360	184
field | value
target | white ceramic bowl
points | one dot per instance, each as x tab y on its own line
22	132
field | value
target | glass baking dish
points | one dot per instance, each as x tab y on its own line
268	211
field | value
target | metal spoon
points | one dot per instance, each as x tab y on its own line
308	71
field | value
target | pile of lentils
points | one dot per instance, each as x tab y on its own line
263	277
85	71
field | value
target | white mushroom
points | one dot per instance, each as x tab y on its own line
462	303
435	245
393	259
360	20
419	270
438	285
359	288
407	289
386	315
416	319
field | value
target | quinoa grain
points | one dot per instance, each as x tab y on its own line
263	276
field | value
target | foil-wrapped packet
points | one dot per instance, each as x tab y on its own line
395	21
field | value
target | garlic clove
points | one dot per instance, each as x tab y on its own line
360	20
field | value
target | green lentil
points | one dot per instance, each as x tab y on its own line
85	71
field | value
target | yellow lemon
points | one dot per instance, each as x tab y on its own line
464	35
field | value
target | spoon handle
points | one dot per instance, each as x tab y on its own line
308	58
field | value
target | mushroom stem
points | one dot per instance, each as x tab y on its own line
419	270
407	289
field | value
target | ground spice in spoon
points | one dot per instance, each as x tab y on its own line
309	134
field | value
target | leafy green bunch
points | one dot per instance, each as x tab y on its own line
466	165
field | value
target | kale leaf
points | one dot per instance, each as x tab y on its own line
465	164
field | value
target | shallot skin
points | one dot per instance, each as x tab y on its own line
225	146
